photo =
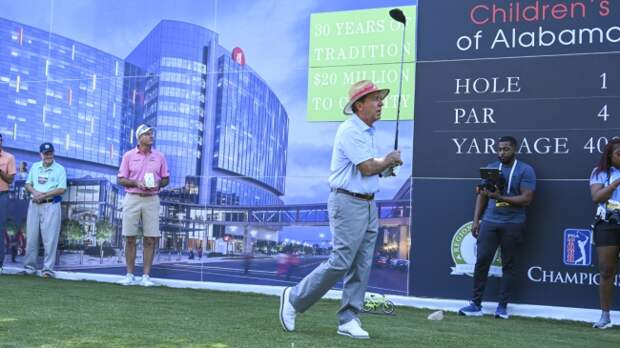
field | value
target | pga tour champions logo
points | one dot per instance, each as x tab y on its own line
463	249
577	247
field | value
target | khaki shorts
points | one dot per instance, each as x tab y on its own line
145	209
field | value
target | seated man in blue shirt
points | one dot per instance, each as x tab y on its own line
353	217
502	225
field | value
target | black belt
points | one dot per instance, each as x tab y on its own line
51	200
366	197
142	194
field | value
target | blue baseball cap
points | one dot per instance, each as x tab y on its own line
46	147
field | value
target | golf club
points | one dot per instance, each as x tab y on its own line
398	15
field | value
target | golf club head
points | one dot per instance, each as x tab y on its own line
398	15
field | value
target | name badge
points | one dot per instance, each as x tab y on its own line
612	205
502	204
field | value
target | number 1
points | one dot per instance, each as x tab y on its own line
604	78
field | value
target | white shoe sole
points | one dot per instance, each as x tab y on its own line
282	297
606	326
471	314
127	283
344	333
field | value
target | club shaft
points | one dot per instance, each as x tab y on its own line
400	85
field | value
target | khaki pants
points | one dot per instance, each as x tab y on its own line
137	208
43	219
354	224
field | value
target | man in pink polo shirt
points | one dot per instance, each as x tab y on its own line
7	173
143	172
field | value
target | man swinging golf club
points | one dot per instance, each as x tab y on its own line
353	217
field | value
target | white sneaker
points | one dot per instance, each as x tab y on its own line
353	330
287	312
28	271
603	323
128	280
146	281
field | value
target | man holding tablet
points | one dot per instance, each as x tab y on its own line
503	201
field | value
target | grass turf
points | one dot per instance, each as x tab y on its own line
54	313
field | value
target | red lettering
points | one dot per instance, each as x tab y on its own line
559	11
545	9
604	8
499	11
533	11
472	14
574	7
536	11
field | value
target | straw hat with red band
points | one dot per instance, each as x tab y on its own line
360	89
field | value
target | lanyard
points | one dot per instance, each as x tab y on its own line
512	171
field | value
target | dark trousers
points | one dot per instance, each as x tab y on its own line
4	207
508	237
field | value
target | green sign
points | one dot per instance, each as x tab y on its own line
346	47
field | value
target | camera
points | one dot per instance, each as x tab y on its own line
613	216
492	179
491	185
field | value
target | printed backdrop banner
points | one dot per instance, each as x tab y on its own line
346	47
545	73
248	191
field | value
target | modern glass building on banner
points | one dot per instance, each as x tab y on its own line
222	129
59	90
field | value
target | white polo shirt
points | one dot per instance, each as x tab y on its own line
354	144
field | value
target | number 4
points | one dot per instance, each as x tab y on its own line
603	113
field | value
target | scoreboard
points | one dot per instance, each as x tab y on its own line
544	72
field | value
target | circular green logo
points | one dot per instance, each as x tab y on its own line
463	250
